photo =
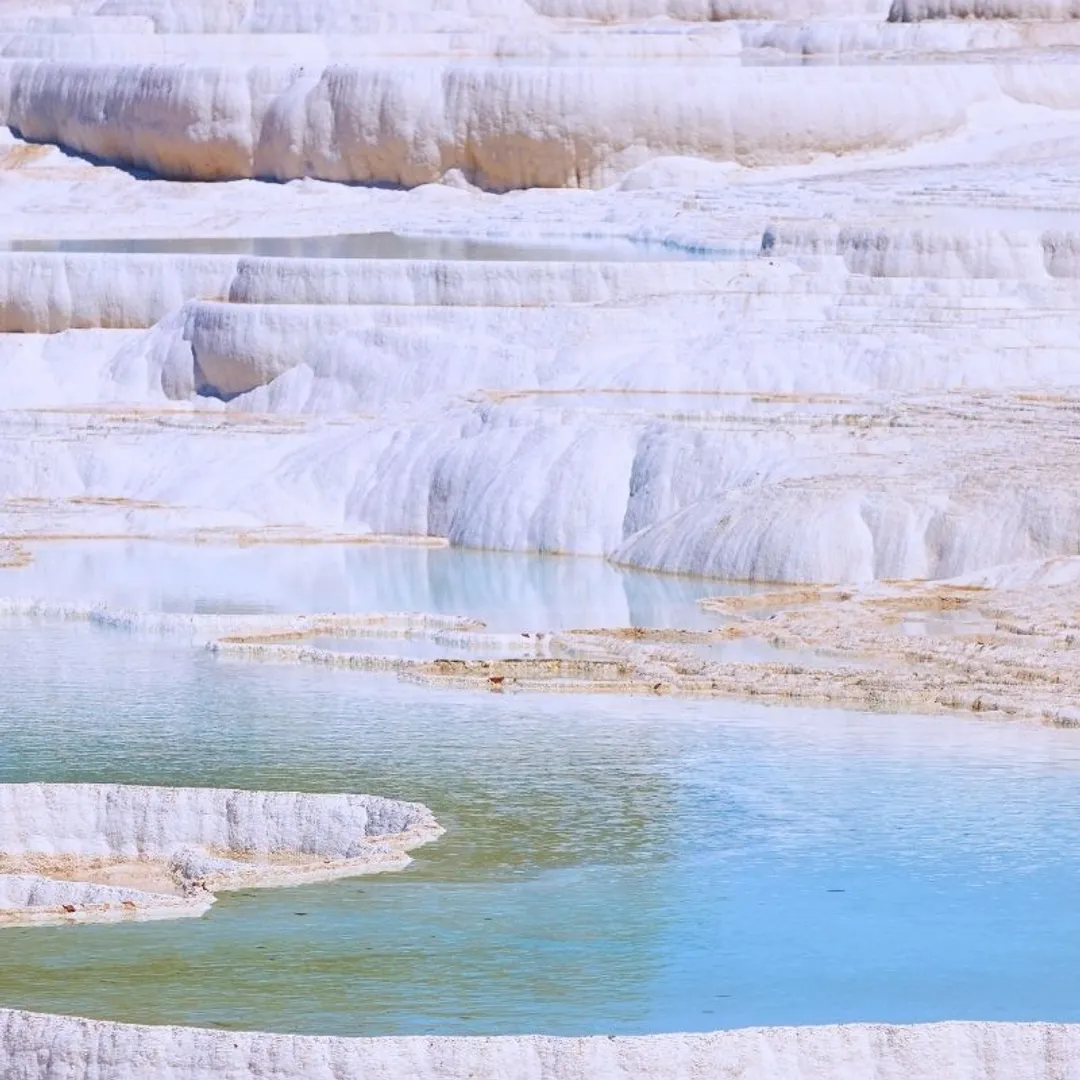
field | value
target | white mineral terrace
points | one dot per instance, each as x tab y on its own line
89	852
76	1049
853	378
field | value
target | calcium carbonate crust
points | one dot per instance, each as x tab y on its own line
1004	646
668	436
92	852
503	127
37	1047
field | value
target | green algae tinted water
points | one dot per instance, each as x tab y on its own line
611	864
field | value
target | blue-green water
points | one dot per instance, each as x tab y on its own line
612	864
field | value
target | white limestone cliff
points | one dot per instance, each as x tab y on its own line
503	127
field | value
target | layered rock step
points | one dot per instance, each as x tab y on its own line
89	852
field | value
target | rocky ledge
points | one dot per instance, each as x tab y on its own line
83	852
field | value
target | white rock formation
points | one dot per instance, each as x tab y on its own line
875	383
319	17
63	1048
503	127
108	850
31	899
874	376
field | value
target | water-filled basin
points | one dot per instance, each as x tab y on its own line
610	865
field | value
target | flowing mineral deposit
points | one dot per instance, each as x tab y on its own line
783	296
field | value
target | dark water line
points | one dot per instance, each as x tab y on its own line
380	245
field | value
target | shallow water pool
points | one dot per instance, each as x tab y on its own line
508	592
379	245
611	864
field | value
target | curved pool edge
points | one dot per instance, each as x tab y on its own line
36	1046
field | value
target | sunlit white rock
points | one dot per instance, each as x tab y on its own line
875	383
80	1049
504	127
106	851
141	822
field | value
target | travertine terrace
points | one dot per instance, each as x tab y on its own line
1019	1051
812	323
89	852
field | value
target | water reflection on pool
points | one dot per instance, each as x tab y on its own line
508	592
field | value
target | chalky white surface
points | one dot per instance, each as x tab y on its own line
202	838
80	1049
152	822
879	383
876	382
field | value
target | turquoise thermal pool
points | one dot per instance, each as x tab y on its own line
610	865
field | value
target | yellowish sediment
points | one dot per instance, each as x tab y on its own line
157	877
653	635
144	875
1015	653
21	155
1008	648
116	501
859	653
13	556
772	599
157	416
